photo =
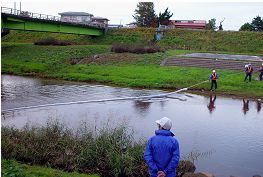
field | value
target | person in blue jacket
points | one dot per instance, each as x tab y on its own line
162	151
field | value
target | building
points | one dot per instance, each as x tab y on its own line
100	21
131	25
190	24
76	17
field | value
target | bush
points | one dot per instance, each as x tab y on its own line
52	41
139	49
108	151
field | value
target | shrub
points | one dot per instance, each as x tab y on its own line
52	41
108	151
139	49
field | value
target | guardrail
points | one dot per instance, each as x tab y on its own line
16	12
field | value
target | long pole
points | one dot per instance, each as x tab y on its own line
105	100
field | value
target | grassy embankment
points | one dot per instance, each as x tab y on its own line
201	40
132	70
13	168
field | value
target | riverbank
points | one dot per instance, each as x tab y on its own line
95	63
14	168
105	151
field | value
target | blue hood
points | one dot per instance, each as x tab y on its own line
164	133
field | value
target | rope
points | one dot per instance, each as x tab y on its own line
104	100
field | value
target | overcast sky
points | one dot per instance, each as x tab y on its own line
235	13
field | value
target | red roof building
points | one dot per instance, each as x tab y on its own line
190	24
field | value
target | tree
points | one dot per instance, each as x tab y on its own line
257	24
164	17
246	27
145	15
220	28
211	25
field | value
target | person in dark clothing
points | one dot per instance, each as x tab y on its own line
248	71
162	151
261	72
213	77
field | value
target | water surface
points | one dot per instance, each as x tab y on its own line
225	133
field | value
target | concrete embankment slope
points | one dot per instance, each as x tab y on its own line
214	61
229	41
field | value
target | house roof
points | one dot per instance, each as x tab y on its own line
99	18
132	23
75	14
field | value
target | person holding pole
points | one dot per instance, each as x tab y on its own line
213	77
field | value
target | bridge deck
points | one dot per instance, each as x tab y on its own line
32	22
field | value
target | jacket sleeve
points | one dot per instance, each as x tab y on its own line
216	76
210	77
148	157
174	160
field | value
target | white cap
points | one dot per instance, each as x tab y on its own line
165	123
214	71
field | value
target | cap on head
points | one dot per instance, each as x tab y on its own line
165	123
262	64
214	71
249	64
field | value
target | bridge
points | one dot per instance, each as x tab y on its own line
13	19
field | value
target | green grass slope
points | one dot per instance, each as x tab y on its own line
131	70
201	40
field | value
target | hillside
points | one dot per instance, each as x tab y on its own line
202	40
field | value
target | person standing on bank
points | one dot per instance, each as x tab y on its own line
248	71
213	77
162	151
261	72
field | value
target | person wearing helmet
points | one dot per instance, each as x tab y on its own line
162	151
249	71
213	77
261	72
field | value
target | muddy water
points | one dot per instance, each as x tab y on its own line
226	134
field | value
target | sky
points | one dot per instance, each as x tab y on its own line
235	13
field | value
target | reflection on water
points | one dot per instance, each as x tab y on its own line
211	105
245	106
258	106
234	134
142	106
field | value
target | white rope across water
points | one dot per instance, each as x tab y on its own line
104	100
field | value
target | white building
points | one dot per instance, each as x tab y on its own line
76	17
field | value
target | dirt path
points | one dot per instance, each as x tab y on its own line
210	63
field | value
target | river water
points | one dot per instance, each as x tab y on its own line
225	134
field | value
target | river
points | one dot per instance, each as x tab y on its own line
225	133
